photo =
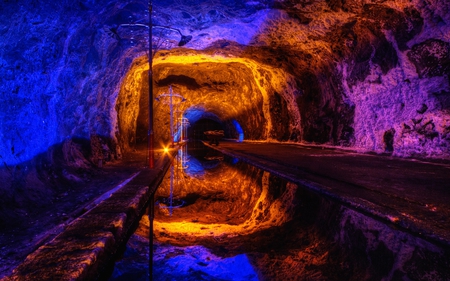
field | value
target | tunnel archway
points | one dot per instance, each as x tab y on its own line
197	130
235	92
200	121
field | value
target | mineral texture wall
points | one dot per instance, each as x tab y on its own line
371	75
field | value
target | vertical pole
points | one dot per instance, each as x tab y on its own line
150	89
181	130
151	216
175	119
171	113
172	174
151	211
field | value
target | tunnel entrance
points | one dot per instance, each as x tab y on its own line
233	92
196	130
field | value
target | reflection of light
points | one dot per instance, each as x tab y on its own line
265	213
195	168
180	262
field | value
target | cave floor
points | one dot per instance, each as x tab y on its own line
44	223
410	194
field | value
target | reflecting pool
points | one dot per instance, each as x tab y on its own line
219	218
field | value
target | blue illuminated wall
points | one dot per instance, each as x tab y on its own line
60	73
239	130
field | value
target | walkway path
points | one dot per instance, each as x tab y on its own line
411	194
84	247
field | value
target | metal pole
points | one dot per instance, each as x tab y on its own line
171	113
172	174
181	130
150	90
151	211
151	216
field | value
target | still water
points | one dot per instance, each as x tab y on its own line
216	218
219	218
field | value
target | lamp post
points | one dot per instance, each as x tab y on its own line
151	152
114	33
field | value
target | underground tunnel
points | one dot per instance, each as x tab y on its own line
93	91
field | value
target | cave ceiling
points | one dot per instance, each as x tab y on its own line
296	70
299	60
370	74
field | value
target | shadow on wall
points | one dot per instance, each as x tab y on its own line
34	183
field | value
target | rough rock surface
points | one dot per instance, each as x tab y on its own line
371	75
346	72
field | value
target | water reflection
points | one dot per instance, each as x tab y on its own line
206	195
240	223
225	199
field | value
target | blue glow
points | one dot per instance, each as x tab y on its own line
25	129
193	114
200	259
238	128
234	161
194	168
177	135
180	263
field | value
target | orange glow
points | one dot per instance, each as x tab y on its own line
250	94
227	107
260	209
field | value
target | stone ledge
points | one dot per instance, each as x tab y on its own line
88	245
67	258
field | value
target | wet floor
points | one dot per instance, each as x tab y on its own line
218	218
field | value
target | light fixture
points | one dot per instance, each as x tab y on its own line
114	31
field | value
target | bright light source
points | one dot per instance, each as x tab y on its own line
166	150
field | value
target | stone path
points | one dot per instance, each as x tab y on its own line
86	248
407	193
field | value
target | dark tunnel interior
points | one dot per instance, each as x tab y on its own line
94	93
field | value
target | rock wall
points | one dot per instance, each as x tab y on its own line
372	75
61	74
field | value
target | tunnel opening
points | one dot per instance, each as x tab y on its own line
197	130
234	91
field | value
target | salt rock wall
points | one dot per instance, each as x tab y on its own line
60	73
372	75
396	74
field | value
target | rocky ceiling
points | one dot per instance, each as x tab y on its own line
367	74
